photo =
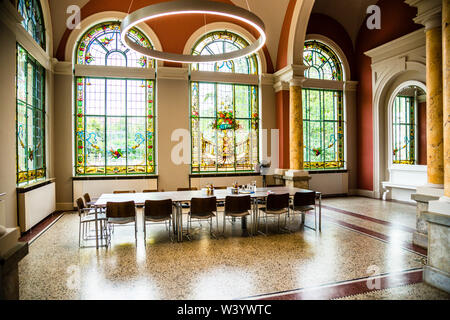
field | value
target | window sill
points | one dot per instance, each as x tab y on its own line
327	171
129	177
221	175
34	186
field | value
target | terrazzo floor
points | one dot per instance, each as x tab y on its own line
234	267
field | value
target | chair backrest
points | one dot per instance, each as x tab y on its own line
304	198
203	206
125	191
278	201
80	204
158	208
121	209
87	198
220	188
187	189
237	204
149	191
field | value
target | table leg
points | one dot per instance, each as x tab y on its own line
96	229
320	213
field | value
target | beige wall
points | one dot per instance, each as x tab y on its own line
173	113
8	123
63	141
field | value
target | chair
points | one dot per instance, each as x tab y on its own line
125	191
304	202
158	211
149	191
88	201
121	213
186	205
276	205
236	207
203	209
87	215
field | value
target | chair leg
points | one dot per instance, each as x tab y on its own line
79	234
224	221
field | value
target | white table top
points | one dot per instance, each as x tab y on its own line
182	196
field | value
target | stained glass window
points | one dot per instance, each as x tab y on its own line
323	129
224	117
323	111
101	46
224	42
323	63
404	125
33	20
114	118
30	125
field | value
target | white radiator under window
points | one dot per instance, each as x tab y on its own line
35	205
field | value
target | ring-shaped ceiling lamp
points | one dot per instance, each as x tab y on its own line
187	7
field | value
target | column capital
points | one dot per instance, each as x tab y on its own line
291	75
429	12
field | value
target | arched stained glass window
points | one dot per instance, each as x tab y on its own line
33	20
101	46
323	110
224	116
30	119
404	114
220	42
323	63
114	117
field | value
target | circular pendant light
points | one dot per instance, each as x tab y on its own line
188	7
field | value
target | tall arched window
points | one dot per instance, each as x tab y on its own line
404	123
30	119
33	20
224	116
114	117
323	110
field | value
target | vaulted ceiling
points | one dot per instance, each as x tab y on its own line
349	13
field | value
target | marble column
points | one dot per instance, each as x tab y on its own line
296	145
435	136
446	77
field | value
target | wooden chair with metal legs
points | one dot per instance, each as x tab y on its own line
303	203
158	211
124	191
203	209
121	213
149	191
88	201
276	205
236	207
186	205
87	217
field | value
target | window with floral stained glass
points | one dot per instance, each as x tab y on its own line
114	117
224	116
323	110
30	123
33	20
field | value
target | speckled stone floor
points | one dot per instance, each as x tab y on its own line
227	268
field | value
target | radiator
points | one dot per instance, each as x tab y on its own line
35	205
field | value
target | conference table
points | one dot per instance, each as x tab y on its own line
180	197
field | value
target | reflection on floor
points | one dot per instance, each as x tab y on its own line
360	238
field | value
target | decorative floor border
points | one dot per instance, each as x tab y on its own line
34	233
348	288
371	219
